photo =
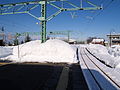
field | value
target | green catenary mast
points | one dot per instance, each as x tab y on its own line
26	7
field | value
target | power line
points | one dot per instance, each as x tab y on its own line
105	7
15	24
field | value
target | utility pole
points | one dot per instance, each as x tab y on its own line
2	32
110	39
26	7
17	38
69	36
111	31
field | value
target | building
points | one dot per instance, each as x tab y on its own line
98	41
72	41
114	39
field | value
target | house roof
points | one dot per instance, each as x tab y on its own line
97	40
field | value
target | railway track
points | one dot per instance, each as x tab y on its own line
97	74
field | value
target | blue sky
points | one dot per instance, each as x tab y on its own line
87	23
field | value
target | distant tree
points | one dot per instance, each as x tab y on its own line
22	42
81	42
27	38
48	37
16	41
9	44
2	43
2	29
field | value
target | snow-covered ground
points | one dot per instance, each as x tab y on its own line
114	51
5	51
101	72
110	55
58	51
34	51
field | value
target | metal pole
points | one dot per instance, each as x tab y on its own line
43	21
81	4
17	42
11	9
110	38
68	36
18	48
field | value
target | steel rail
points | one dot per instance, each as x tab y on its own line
98	58
97	67
90	71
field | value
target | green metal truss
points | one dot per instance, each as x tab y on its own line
26	7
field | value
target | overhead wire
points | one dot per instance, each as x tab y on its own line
105	7
14	24
103	1
106	4
90	17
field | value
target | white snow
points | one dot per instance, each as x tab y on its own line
58	51
101	52
50	51
97	48
97	40
114	51
101	78
5	51
110	55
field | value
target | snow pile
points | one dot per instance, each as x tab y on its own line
5	51
115	52
97	48
101	52
50	51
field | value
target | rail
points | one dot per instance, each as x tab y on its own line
97	78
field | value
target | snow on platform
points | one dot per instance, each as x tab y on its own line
50	51
5	51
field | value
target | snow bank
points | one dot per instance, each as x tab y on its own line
101	52
5	51
50	51
97	48
114	51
